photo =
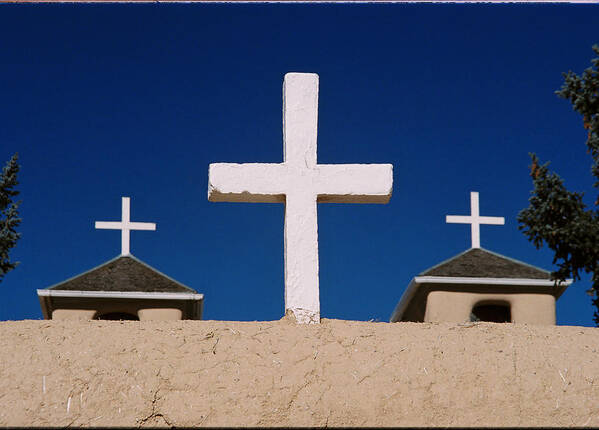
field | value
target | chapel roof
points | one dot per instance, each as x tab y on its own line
124	273
481	263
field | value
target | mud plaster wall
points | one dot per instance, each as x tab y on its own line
338	373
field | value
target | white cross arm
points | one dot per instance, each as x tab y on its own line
118	225
248	182
269	183
142	226
460	219
492	220
354	183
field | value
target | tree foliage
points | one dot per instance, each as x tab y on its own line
9	215
558	217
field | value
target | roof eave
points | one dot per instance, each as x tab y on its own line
488	281
404	301
45	305
45	297
120	294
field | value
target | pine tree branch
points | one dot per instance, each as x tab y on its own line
9	215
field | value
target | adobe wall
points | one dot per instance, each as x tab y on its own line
339	373
146	314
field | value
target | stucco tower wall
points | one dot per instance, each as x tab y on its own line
455	306
424	307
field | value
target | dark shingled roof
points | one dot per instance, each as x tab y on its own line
480	263
124	273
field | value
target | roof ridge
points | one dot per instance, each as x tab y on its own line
56	287
450	265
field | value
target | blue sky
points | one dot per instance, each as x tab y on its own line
104	101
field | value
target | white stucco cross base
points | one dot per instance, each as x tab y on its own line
300	182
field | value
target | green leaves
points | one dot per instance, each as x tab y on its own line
9	215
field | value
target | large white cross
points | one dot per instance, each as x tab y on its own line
299	182
125	225
475	220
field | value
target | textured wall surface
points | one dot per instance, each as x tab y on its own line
338	373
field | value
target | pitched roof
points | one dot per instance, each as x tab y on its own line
481	263
474	270
123	273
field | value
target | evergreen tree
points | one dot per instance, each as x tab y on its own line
558	217
9	216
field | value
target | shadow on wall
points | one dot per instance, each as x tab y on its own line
492	312
117	316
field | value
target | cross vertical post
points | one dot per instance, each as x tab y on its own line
300	125
125	232
475	223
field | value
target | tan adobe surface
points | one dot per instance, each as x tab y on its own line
338	373
157	314
455	306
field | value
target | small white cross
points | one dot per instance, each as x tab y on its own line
475	220
300	182
125	225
